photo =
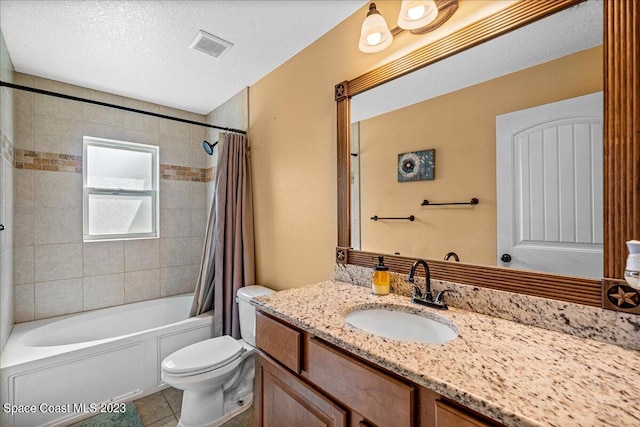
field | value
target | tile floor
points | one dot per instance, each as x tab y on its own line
162	409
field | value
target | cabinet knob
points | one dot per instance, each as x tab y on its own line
1	227
505	258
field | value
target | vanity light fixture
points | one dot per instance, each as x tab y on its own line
416	16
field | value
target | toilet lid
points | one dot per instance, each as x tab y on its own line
203	356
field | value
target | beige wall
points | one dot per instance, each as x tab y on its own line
292	125
461	128
55	272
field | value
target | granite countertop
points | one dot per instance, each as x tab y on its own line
515	374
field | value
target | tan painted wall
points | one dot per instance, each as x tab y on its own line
292	131
461	128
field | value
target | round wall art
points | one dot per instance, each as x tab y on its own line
417	165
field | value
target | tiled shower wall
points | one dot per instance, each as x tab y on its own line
55	272
6	197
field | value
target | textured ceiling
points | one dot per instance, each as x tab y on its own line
572	30
140	49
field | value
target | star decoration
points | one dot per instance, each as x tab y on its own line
624	297
339	91
340	255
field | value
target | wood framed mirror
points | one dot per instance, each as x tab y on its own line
621	127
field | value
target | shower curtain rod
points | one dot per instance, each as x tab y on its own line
119	107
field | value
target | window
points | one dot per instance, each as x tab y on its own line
120	181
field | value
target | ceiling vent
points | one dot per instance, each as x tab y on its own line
210	44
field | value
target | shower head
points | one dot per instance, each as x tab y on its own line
208	147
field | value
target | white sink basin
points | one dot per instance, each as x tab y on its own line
403	326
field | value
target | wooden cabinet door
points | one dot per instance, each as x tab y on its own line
380	398
449	416
285	400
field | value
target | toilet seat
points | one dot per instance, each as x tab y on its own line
203	356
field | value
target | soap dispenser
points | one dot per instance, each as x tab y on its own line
381	279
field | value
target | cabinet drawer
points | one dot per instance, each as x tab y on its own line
280	341
380	398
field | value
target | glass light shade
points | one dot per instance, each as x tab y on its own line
374	35
416	14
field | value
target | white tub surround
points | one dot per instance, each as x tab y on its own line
107	355
515	374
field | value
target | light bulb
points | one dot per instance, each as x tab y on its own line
416	12
374	38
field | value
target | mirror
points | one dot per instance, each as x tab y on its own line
621	150
452	107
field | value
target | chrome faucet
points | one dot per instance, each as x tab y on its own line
427	298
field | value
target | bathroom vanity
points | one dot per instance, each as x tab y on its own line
313	367
302	377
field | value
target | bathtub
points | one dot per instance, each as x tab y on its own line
60	370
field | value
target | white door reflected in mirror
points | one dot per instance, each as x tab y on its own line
549	170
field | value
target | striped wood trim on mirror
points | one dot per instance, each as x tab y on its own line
622	131
344	173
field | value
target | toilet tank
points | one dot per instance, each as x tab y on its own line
247	312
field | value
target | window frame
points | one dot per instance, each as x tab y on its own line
88	141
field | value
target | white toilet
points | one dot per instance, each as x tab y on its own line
217	374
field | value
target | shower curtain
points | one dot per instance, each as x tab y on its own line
228	258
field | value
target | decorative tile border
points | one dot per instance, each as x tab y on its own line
185	173
6	147
57	162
